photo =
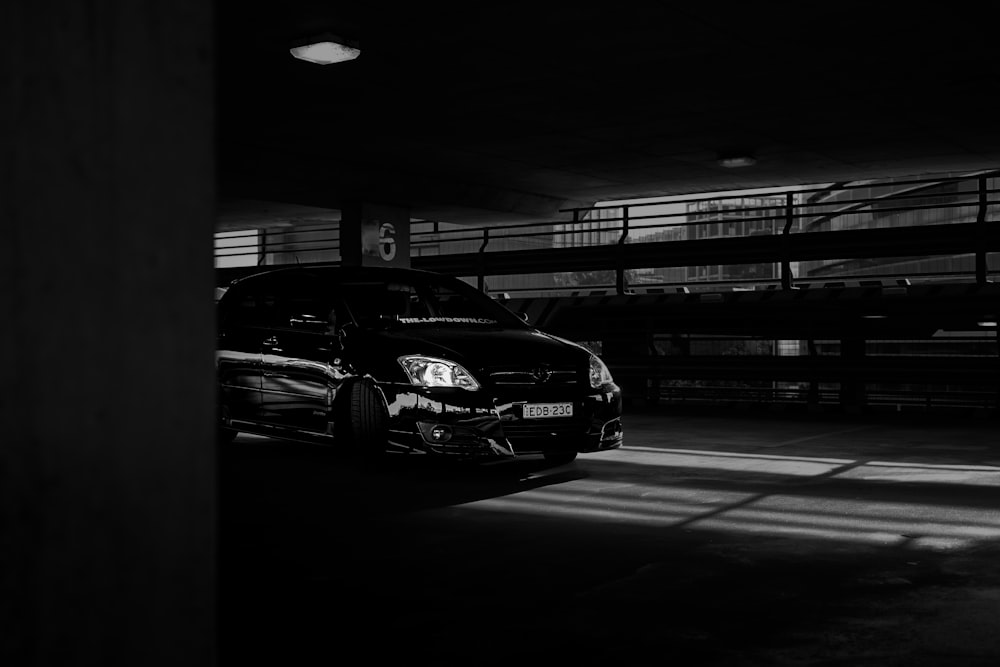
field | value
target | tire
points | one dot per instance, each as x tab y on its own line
560	458
369	419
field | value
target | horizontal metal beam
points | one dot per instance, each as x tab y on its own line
926	240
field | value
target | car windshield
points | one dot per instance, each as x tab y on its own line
424	302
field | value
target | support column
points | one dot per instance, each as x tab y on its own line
374	235
107	396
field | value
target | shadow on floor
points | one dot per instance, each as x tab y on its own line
651	555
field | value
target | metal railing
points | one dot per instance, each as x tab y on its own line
804	225
760	239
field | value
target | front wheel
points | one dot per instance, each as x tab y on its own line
369	420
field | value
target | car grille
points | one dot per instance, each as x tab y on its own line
528	437
535	376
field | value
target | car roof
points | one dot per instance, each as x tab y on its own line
337	272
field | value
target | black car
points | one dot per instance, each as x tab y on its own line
400	360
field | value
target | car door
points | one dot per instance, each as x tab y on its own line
243	322
300	362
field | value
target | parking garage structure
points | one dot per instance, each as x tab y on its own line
127	538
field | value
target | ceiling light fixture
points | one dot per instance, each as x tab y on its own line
326	50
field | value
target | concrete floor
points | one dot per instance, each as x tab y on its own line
708	539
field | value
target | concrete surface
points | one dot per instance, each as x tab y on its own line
709	539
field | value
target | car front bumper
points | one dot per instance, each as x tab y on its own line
478	425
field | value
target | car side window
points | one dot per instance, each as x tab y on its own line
311	313
258	308
295	305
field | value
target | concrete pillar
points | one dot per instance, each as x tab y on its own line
374	235
106	334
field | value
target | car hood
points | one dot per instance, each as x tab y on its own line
476	348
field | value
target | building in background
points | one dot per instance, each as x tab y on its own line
734	217
599	226
892	203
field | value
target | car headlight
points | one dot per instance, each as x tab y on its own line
599	373
433	372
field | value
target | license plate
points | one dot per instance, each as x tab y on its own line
542	410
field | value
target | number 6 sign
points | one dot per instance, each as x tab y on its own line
374	235
387	241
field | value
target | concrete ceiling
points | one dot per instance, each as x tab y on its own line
483	114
